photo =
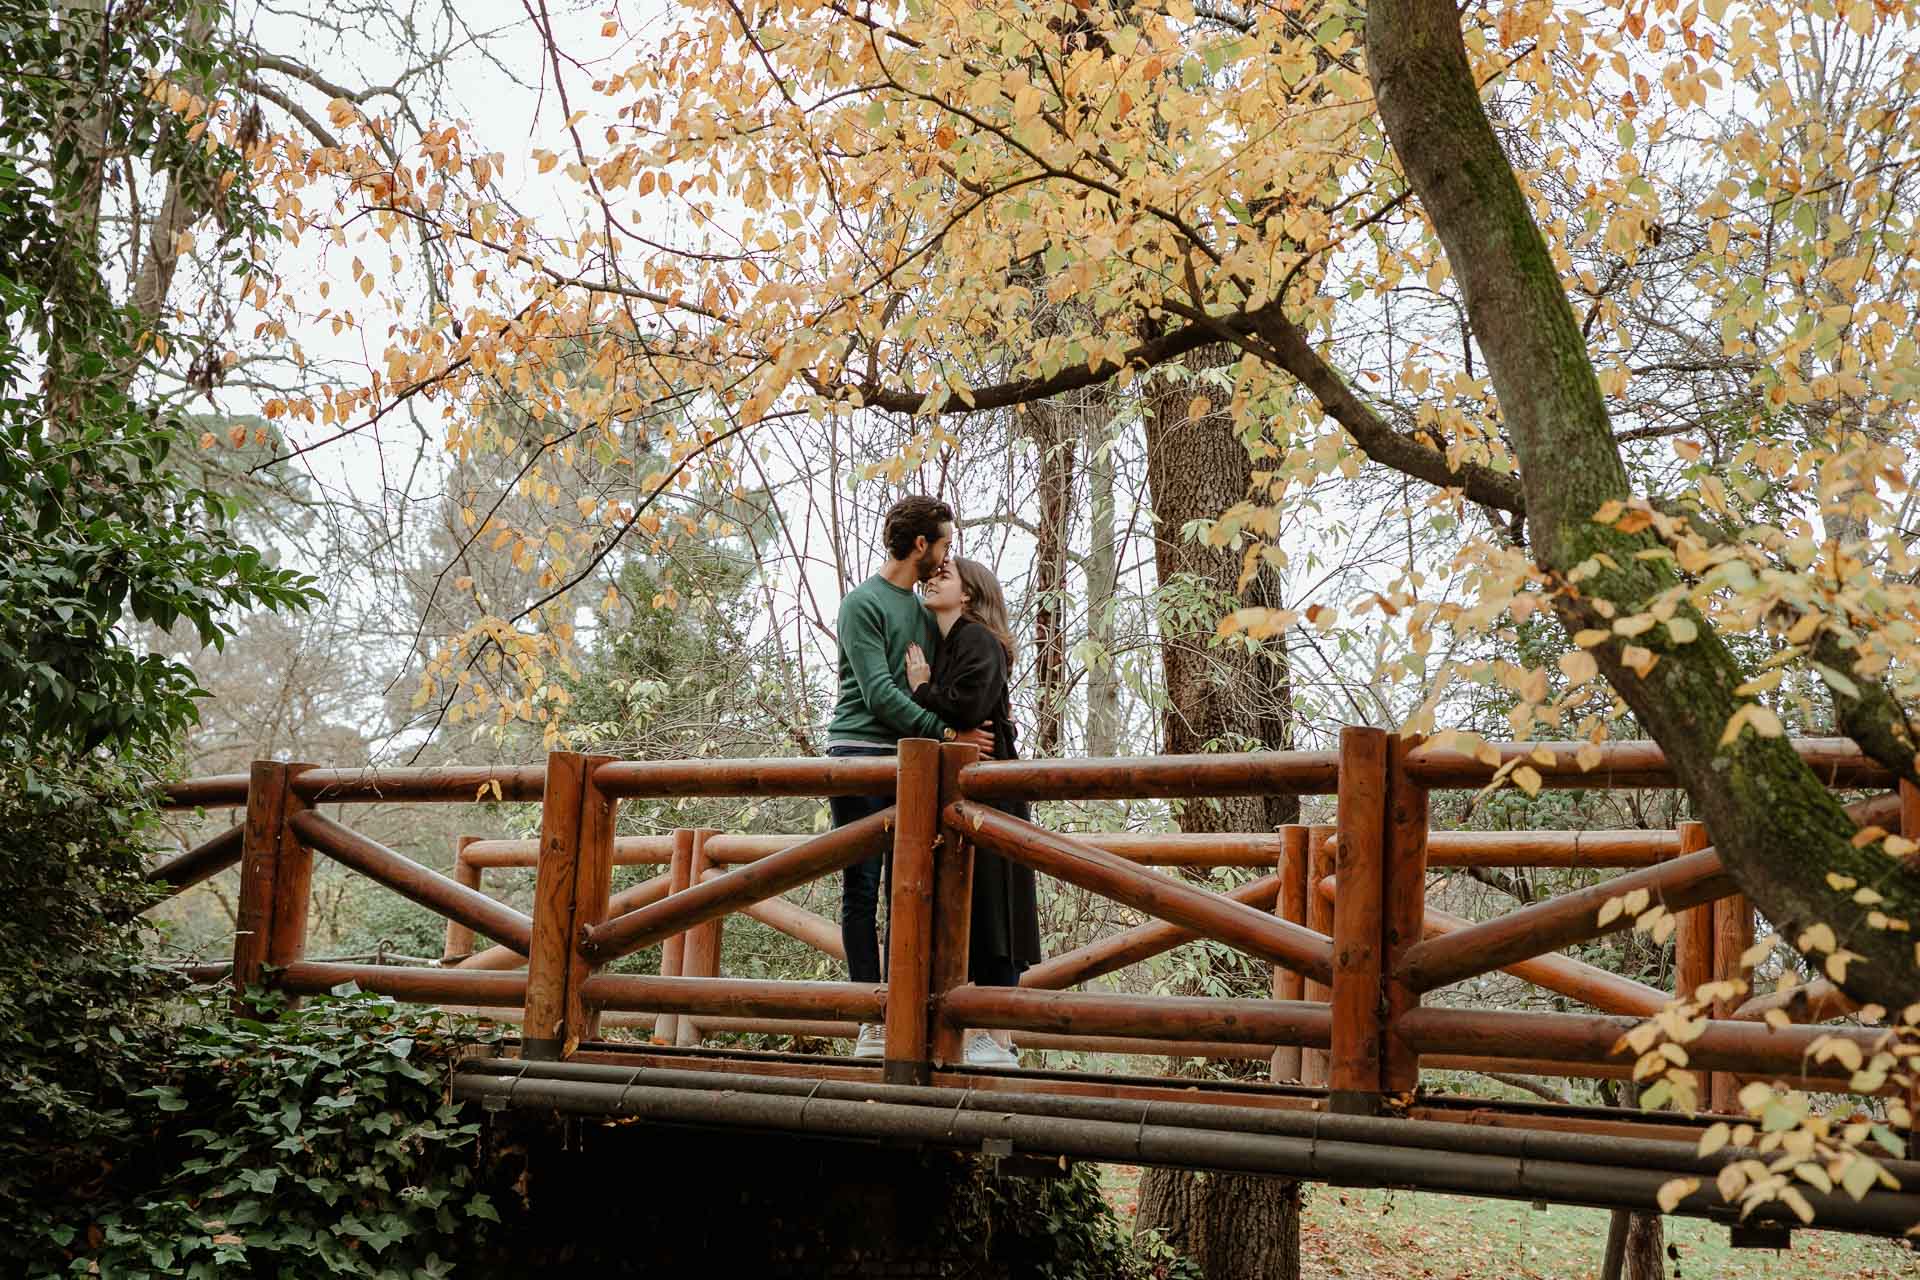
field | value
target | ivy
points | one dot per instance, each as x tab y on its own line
317	1142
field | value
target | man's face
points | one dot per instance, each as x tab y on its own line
928	562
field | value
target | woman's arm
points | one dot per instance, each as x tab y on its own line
969	681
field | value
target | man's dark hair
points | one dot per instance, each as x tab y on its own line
916	516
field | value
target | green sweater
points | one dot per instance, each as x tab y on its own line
877	622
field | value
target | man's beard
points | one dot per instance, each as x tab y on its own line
926	568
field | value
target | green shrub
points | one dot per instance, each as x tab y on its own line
85	1015
318	1143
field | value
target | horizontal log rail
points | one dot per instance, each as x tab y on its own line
735	997
810	776
443	784
410	880
208	858
1546	848
1155	777
1148	848
1589	984
215	791
1629	764
1157	1018
757	881
1722	1045
405	982
628	851
1209	915
1107	955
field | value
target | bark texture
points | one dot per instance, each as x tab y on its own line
1103	584
1231	1224
1055	428
1779	829
1235	1226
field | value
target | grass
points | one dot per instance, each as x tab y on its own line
1403	1235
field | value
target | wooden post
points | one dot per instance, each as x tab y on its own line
910	913
276	877
673	948
556	877
1320	865
1290	905
1732	935
701	957
1404	907
593	885
460	936
1353	1071
952	906
1693	930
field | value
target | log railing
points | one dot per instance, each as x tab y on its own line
1340	912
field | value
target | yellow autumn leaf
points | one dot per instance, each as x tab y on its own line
1673	1191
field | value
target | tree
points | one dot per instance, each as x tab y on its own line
1231	695
866	197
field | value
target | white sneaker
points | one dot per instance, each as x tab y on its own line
980	1049
872	1041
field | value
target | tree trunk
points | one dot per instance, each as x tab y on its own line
1230	1224
1103	584
1055	428
1782	834
1235	1226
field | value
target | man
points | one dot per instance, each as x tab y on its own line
879	619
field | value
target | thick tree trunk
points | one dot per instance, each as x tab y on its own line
1779	829
1237	1227
1231	1224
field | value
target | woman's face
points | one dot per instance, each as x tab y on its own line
943	590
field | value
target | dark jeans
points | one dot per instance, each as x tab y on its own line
860	883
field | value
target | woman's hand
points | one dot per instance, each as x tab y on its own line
918	672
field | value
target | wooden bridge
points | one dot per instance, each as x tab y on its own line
1341	916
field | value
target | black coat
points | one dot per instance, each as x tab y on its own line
967	688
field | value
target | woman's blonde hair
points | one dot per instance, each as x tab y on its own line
986	603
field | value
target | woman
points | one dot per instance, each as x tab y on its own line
967	687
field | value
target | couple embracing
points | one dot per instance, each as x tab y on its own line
930	664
